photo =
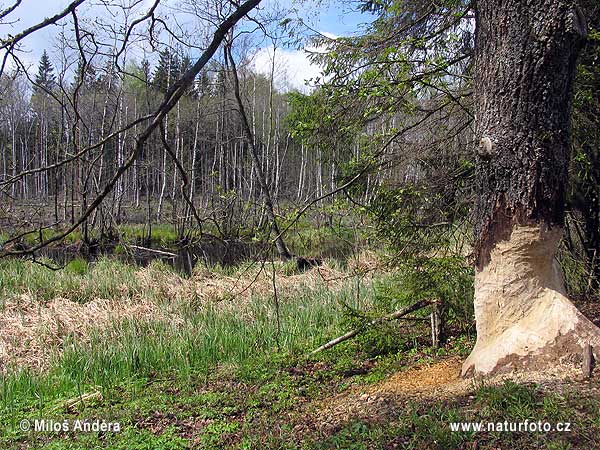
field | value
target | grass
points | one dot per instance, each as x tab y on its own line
209	336
218	372
205	338
47	233
325	242
162	235
575	272
80	282
262	404
426	424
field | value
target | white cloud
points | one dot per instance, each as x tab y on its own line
293	68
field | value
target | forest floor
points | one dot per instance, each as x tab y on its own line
217	361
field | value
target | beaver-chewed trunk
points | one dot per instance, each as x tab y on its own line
524	319
525	59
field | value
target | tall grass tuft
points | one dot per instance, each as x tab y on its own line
80	282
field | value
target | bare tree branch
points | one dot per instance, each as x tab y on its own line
171	99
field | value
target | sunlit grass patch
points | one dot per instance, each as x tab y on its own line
162	234
81	281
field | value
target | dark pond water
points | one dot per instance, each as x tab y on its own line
209	251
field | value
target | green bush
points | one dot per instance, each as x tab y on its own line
449	280
575	273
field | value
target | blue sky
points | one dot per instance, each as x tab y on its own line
329	17
338	18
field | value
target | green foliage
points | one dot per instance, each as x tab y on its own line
429	254
130	438
137	77
133	439
312	121
426	424
356	169
515	400
584	189
38	236
78	266
447	279
168	70
324	242
162	235
422	218
383	75
215	430
401	216
576	273
417	218
304	116
45	79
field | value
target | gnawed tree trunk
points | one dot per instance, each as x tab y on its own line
525	61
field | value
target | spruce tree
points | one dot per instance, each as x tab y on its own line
167	71
45	80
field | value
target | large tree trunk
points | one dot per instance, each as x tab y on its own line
525	61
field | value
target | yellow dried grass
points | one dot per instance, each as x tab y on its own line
31	333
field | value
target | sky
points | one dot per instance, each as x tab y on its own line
294	69
331	18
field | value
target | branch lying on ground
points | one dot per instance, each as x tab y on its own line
153	250
395	315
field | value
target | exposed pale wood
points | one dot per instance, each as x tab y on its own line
152	250
436	325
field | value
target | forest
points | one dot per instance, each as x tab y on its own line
311	224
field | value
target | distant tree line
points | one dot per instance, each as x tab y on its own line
60	143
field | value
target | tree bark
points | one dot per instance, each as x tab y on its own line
525	63
282	249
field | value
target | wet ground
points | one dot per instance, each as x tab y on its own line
183	257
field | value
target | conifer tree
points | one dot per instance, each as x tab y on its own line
45	80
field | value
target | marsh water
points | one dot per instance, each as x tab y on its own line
183	257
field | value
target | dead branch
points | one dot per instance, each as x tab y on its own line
153	250
250	139
393	316
10	43
185	181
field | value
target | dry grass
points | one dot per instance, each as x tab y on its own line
32	332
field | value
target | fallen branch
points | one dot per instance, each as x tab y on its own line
395	315
153	250
70	404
